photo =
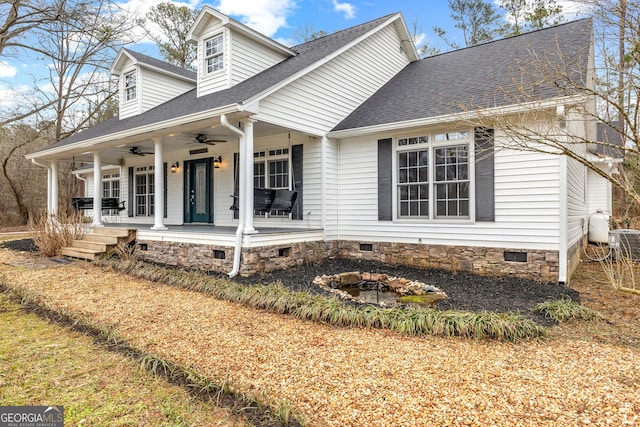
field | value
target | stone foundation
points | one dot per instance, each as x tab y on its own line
220	258
530	264
537	265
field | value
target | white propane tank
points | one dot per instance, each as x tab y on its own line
599	227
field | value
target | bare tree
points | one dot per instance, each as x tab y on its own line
79	46
611	98
478	20
173	23
306	33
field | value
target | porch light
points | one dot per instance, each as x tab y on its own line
217	161
175	167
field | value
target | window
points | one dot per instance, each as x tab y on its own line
433	176
452	181
413	183
144	190
130	84
214	53
271	170
111	188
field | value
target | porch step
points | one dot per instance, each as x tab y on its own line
97	241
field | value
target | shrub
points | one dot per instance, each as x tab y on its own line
51	233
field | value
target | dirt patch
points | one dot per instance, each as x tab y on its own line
465	291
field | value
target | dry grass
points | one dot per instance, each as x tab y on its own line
42	363
355	377
51	233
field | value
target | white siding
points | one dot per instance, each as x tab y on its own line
157	88
132	107
599	193
526	197
248	58
319	100
332	178
577	212
218	80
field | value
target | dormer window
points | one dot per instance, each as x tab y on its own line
130	83
214	53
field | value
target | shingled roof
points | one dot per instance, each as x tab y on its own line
161	65
188	103
534	66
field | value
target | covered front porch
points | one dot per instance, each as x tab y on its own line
188	190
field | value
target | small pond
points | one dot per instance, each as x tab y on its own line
380	289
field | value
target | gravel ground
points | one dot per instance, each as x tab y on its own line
352	377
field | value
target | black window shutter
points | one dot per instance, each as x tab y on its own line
130	191
296	162
236	186
164	179
485	174
385	172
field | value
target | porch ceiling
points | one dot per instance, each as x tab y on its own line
176	138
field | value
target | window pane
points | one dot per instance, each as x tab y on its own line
402	160
404	209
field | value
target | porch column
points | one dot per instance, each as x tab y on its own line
97	190
158	185
248	177
53	210
49	207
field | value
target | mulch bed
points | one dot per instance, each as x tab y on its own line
466	291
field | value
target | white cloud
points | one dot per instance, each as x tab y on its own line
419	39
265	16
348	9
7	70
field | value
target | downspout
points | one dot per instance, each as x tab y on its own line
240	230
48	168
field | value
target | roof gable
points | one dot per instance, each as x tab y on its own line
493	74
308	54
146	61
208	15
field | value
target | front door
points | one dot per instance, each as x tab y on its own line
198	191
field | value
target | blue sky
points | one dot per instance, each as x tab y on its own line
279	19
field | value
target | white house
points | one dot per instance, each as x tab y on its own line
381	150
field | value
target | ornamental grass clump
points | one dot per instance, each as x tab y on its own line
51	233
276	298
565	309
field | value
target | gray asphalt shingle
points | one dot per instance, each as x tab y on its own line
188	103
486	75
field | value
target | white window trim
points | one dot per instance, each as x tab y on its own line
111	178
220	54
136	87
148	170
274	157
432	144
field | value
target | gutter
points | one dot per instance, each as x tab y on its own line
474	115
237	252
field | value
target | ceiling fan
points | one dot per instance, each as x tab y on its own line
202	139
137	152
